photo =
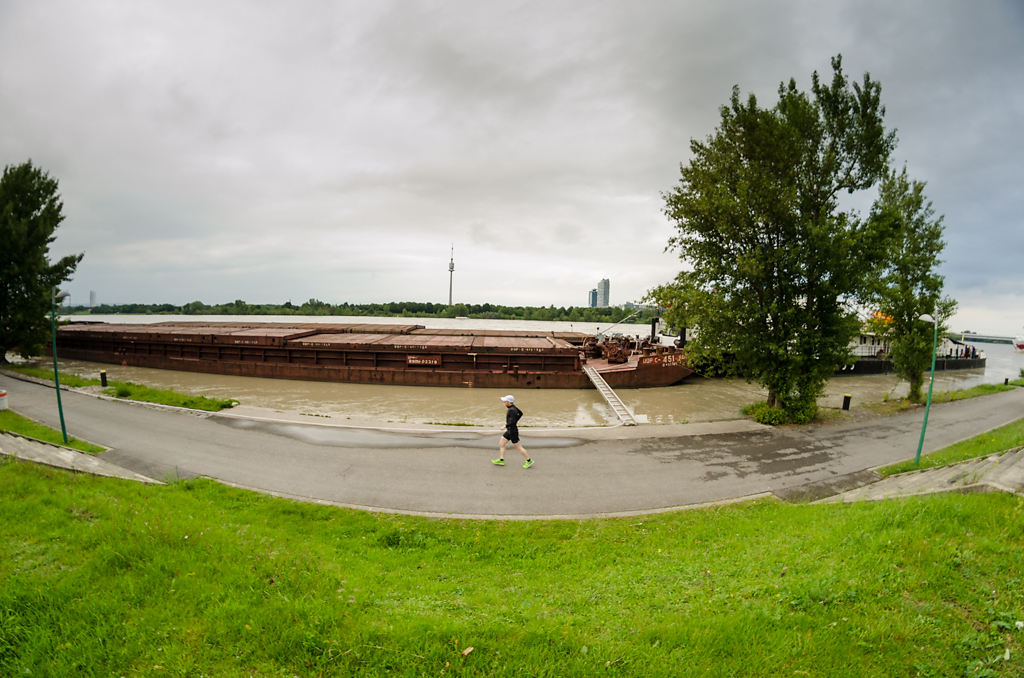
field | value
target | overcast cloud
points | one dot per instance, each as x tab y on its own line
272	151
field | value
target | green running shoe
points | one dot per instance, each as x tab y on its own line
498	462
528	463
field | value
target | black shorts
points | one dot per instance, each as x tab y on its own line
511	435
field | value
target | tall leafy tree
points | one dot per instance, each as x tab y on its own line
909	286
772	260
30	212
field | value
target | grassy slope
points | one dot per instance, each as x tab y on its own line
132	391
115	578
893	405
9	421
972	392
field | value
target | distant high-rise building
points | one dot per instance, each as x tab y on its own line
92	298
603	289
592	298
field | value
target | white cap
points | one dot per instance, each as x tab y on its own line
508	399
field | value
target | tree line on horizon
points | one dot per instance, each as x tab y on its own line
400	309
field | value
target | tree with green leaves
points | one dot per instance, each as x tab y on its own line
30	212
909	286
773	262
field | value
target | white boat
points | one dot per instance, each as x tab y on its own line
1018	343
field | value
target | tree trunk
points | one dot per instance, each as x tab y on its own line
915	389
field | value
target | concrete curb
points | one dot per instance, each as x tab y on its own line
41	452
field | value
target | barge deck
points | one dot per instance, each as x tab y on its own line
408	355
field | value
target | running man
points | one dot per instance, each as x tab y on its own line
511	434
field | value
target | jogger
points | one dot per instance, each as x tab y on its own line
511	434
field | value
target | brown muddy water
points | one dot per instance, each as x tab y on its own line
695	400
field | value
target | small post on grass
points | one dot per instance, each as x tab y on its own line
931	382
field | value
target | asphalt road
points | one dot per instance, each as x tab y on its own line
578	473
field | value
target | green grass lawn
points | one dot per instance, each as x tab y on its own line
105	577
131	391
894	405
72	380
996	440
972	392
15	423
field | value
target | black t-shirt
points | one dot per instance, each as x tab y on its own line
512	417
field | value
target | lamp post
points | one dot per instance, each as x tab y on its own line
56	296
931	382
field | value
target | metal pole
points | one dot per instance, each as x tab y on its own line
56	377
931	383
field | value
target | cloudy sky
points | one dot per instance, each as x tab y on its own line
274	151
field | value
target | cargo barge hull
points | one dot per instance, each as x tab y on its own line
368	354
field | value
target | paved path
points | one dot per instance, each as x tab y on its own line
579	472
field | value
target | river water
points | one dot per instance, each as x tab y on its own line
695	400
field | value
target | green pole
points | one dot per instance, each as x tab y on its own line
931	382
56	378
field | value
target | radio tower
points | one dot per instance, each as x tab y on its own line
451	275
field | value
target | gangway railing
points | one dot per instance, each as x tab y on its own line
610	396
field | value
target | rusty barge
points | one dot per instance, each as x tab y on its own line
408	355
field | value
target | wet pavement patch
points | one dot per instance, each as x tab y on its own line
741	454
828	487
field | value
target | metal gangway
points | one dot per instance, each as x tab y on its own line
625	416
